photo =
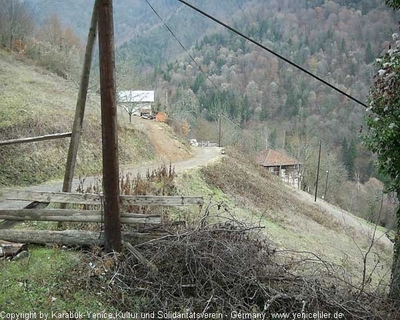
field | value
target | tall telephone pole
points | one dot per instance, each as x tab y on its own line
326	184
219	130
112	222
319	162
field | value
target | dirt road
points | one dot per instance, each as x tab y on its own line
201	156
166	144
345	218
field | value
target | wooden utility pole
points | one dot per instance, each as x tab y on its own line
80	103
319	162
326	184
284	140
219	130
112	222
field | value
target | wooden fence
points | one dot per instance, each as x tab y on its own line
89	198
82	215
35	139
207	144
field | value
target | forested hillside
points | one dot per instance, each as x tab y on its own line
261	100
265	101
337	43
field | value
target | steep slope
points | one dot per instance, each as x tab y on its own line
303	238
168	147
241	190
333	41
35	102
265	100
134	19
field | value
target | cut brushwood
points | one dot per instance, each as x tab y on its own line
140	257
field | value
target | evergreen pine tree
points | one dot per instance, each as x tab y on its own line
343	46
369	55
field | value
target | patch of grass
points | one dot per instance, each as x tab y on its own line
391	233
241	190
258	190
191	183
45	282
35	102
134	146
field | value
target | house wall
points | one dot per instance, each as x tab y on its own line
288	174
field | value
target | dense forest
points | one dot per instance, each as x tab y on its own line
261	100
229	75
267	102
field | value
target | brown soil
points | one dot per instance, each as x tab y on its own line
168	147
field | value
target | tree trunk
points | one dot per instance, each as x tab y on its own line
395	281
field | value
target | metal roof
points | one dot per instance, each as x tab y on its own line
136	96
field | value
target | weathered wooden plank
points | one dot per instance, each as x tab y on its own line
161	200
70	237
55	197
8	224
35	139
141	258
127	220
87	198
10	249
65	215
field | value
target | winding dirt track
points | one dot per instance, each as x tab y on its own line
201	157
347	219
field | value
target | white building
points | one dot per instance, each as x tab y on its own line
136	102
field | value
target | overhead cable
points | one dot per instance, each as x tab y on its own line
273	52
181	44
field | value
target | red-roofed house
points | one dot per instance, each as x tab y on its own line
282	165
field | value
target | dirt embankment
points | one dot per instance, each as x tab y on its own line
167	145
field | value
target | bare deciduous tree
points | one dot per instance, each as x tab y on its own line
15	22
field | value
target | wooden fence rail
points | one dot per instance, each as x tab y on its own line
66	215
96	199
35	139
71	237
74	237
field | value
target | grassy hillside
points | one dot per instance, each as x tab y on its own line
35	102
304	244
252	195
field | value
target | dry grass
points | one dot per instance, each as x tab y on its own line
158	182
256	188
35	102
252	194
227	268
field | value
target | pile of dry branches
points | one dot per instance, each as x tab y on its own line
227	268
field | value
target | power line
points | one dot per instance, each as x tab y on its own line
191	57
231	121
273	52
181	44
200	68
